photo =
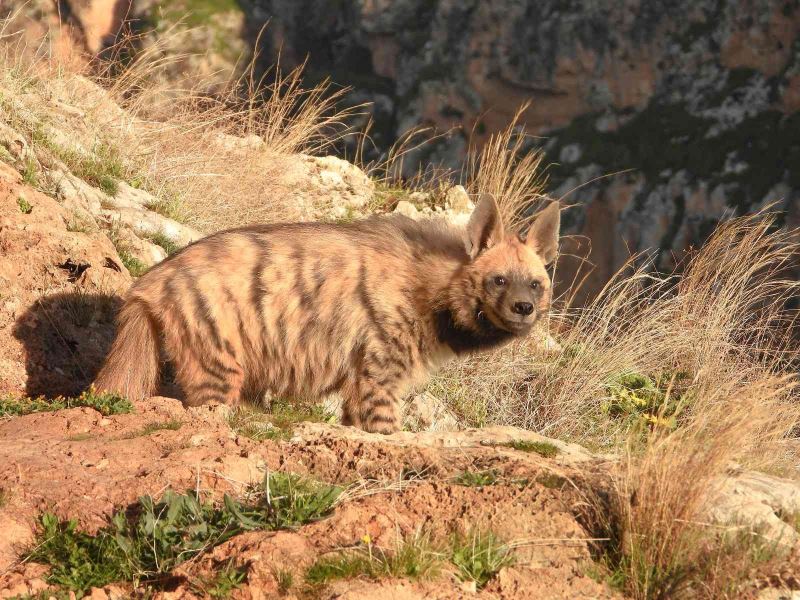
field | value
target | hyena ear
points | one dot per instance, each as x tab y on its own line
485	227
543	234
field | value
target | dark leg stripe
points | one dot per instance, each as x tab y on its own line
378	402
380	419
222	388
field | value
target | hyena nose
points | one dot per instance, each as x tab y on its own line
522	308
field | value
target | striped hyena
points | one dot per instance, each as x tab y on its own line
366	309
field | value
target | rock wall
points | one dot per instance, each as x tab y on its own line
699	99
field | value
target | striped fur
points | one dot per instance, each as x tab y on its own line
304	310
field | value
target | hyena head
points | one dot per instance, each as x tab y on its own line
505	283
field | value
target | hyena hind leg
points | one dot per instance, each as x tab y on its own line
372	407
212	378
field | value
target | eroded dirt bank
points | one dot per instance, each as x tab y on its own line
80	464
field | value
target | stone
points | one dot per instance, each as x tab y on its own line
458	199
425	412
758	500
405	208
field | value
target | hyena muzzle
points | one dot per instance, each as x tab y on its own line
366	309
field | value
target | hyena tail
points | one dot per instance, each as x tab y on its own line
132	366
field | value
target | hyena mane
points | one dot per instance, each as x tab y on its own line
366	309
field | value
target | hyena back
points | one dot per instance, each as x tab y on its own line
365	309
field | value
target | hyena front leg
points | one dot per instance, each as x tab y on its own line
372	404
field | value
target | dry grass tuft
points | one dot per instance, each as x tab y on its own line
504	169
661	546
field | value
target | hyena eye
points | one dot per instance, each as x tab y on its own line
499	280
534	284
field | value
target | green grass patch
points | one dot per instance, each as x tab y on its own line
25	207
479	556
30	172
106	403
80	437
167	243
414	558
285	580
278	424
168	204
135	267
102	168
146	543
721	563
170	425
545	449
477	478
222	582
475	556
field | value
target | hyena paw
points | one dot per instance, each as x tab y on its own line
381	426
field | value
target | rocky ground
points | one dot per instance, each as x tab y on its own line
78	463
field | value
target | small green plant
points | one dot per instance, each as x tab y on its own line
101	168
160	238
4	495
545	449
25	207
170	425
78	560
285	580
80	437
476	478
135	267
255	424
479	556
30	172
414	558
106	403
222	582
341	566
162	534
169	204
641	400
293	500
279	423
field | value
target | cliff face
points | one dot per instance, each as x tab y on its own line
699	99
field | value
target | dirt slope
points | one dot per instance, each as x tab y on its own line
78	463
57	287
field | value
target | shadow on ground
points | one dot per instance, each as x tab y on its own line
66	337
